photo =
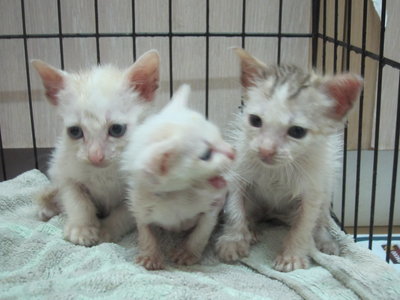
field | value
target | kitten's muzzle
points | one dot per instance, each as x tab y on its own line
267	155
97	158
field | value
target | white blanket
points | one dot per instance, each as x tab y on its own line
36	263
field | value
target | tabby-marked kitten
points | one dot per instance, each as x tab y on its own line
288	154
99	108
173	164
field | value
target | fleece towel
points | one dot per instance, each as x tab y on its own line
36	263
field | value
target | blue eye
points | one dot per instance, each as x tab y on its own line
255	121
297	132
206	155
75	132
117	130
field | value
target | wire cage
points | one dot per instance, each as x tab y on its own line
193	39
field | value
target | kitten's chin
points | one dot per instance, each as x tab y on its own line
99	165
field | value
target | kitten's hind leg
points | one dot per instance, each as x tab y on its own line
191	252
117	224
325	242
82	226
47	202
150	255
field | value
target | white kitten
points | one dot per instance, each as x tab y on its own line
98	108
173	164
288	149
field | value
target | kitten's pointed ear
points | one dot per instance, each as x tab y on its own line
160	158
52	78
344	89
251	68
144	75
181	96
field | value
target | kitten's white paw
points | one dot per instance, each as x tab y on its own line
288	263
230	249
45	213
82	234
151	262
184	256
329	247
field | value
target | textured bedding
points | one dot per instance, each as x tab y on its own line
36	263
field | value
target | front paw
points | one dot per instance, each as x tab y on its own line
230	249
184	256
291	262
151	262
82	234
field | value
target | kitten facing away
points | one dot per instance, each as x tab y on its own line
99	108
173	164
288	151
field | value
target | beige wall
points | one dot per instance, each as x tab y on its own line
188	53
390	77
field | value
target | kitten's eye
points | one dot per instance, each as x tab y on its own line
117	130
255	121
75	132
206	155
297	132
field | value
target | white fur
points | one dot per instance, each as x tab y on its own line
278	176
84	173
168	182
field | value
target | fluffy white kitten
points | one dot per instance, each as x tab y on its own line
174	163
288	148
98	108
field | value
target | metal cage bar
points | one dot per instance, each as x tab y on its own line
134	30
28	83
207	55
394	177
377	118
171	73
361	109
96	22
61	42
278	59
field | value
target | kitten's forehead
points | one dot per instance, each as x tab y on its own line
285	77
285	97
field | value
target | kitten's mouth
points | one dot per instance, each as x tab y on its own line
268	160
99	165
218	182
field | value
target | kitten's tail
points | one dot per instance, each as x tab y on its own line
47	202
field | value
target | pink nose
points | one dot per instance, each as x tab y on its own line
231	154
96	157
267	154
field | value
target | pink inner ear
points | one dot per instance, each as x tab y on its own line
145	82
51	93
345	90
164	163
250	72
53	83
251	68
